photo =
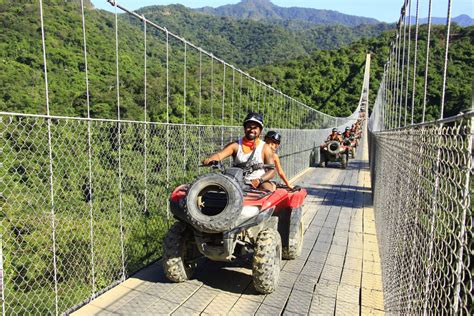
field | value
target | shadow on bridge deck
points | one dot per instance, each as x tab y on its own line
337	273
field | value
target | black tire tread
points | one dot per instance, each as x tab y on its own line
265	278
221	222
295	244
173	262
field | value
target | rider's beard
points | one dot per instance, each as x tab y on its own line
250	136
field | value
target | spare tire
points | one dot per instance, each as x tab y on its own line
333	147
213	203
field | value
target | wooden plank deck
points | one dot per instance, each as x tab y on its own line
338	272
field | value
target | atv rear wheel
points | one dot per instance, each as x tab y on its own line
295	235
179	253
267	261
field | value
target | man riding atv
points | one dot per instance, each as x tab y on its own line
236	212
333	150
350	141
250	147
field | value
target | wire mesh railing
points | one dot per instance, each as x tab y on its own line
97	239
84	197
422	180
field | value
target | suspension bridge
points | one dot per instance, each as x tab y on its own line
84	198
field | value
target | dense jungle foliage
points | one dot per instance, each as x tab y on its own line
330	80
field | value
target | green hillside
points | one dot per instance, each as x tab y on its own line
330	81
327	80
266	10
250	43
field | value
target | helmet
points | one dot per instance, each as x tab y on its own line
334	130
347	128
274	136
254	117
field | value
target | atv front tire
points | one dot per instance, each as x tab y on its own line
353	152
295	235
267	261
178	253
344	161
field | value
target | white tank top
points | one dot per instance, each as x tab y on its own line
257	158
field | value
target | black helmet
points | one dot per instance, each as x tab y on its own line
274	136
254	117
347	128
334	129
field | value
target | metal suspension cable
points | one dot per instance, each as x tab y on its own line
223	107
232	102
446	50
89	149
184	107
397	76
415	63
232	98
427	61
408	63
212	90
50	156
145	133
403	66
167	122
119	126
199	109
240	96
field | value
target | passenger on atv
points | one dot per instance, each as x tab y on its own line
250	151
273	139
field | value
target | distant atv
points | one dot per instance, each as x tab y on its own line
351	145
222	218
333	151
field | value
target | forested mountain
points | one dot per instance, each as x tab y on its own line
265	10
331	80
251	43
328	80
462	20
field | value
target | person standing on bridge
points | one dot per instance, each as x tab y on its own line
273	140
251	150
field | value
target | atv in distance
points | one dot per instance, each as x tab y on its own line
351	144
222	218
333	151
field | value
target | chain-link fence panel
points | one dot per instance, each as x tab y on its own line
422	180
83	213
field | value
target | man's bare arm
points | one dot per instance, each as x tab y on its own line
228	151
268	159
280	171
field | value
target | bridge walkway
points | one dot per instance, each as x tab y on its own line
338	272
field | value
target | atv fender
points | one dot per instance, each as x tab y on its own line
296	198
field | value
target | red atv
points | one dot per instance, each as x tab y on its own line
222	218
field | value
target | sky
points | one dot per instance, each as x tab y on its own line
382	10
